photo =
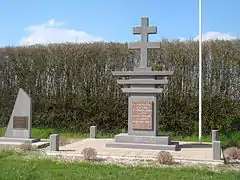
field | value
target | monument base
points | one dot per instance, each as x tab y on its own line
125	140
18	140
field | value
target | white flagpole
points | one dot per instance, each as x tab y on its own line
200	70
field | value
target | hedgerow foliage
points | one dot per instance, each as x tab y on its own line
72	87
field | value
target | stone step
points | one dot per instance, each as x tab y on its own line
20	140
39	144
172	147
126	138
142	90
143	81
142	73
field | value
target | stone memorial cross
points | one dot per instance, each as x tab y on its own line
143	89
144	45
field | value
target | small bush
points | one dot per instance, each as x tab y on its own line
27	147
231	153
82	90
89	153
64	141
165	157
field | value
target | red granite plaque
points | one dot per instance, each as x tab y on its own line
142	114
20	122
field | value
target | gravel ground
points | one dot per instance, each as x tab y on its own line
138	162
147	163
41	153
4	146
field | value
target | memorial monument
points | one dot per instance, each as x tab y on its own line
20	123
142	92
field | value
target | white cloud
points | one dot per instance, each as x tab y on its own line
51	32
216	36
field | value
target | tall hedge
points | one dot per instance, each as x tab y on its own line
72	87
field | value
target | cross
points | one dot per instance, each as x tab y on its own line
144	45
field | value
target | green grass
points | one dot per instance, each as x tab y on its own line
14	166
44	133
193	138
2	132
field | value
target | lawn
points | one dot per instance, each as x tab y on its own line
44	133
14	166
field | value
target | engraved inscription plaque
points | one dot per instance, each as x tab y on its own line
142	114
20	122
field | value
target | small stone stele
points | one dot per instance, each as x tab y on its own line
54	142
215	135
93	132
216	148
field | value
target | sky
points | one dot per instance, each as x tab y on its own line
27	22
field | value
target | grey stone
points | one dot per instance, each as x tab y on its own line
93	130
144	45
142	69
18	140
54	142
154	130
22	108
141	81
215	135
20	123
142	146
142	90
142	73
216	150
126	138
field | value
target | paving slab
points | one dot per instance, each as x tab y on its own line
189	151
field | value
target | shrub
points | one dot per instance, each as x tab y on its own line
165	157
27	147
89	153
231	153
72	86
64	141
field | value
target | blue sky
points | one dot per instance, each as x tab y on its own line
44	21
